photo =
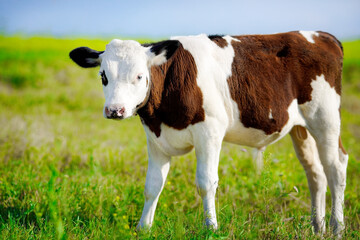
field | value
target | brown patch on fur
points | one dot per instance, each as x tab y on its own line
175	98
219	40
301	132
270	71
342	147
332	57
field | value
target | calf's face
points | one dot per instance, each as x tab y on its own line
125	77
125	72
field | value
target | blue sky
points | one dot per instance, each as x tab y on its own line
160	19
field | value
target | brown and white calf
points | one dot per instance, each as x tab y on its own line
197	91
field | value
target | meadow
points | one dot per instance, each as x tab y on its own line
68	173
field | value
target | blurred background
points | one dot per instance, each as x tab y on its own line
161	18
68	173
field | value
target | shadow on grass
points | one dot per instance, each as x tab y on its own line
19	216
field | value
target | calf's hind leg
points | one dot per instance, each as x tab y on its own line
334	162
307	153
325	127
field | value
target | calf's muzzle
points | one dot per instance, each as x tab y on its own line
114	112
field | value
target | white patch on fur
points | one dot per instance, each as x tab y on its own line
155	60
230	38
270	115
324	104
309	35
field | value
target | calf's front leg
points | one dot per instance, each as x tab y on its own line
158	168
207	154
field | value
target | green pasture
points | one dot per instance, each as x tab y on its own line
68	173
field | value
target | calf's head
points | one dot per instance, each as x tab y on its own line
125	72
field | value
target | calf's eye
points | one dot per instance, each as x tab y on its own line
139	77
104	78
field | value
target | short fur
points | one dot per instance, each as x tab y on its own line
175	99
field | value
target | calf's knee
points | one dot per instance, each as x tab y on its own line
206	188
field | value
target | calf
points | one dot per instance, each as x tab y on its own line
196	91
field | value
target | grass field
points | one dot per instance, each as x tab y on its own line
68	173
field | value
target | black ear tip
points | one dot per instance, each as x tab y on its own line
85	57
76	53
73	53
79	52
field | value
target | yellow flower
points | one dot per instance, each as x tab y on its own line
165	205
124	217
117	198
168	183
134	234
126	226
114	214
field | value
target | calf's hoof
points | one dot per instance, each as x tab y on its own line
211	224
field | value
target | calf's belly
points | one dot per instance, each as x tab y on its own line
171	141
239	134
251	137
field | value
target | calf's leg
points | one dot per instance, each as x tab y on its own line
335	164
307	153
258	161
158	168
207	150
325	127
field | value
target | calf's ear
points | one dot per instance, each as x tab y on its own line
158	53
86	57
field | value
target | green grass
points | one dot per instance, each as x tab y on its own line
67	173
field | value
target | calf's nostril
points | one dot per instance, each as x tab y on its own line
121	111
